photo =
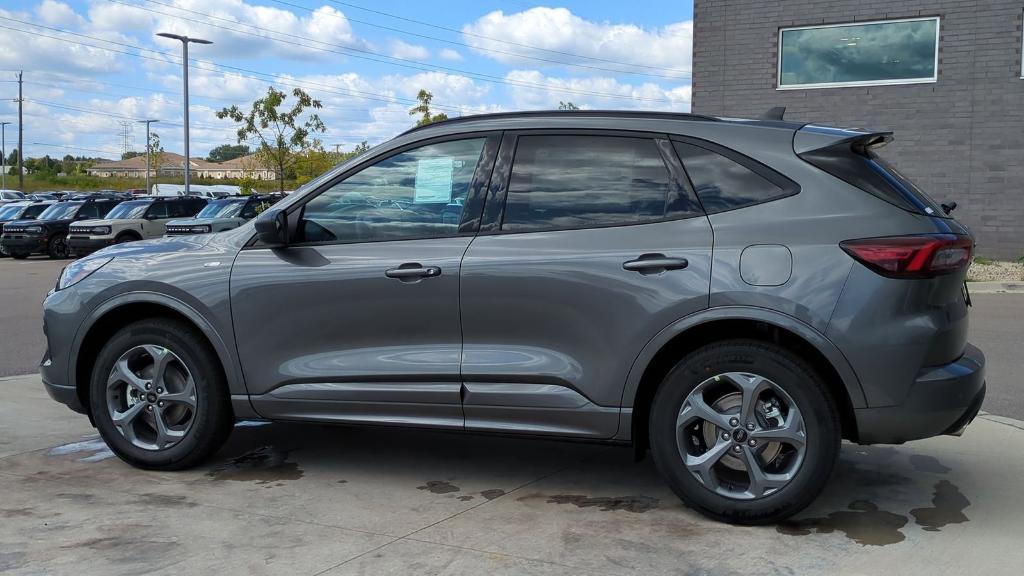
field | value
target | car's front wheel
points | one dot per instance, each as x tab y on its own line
158	395
58	248
744	432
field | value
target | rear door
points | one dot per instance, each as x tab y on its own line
591	244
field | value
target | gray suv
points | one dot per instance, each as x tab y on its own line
736	296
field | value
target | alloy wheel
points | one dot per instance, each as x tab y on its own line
741	435
151	397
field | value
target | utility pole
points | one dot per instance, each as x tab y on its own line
21	139
337	148
184	72
3	153
149	152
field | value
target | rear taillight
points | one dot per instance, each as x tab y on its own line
912	256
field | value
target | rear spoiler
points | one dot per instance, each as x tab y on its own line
811	137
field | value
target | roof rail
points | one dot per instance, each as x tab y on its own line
563	113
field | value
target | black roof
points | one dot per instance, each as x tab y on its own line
564	113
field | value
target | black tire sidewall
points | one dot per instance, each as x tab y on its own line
50	251
212	419
790	373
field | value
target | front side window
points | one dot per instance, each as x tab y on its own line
889	52
722	183
419	193
89	211
571	181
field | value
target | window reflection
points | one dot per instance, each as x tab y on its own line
723	184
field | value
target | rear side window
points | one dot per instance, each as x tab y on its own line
724	183
571	181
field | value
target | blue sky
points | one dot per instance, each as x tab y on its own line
91	64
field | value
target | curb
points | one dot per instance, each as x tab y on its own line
998	287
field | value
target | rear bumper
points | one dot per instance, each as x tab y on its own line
80	245
942	400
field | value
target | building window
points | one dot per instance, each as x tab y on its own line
862	54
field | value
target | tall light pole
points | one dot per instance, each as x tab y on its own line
3	153
149	152
184	67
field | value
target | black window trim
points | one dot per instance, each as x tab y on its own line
468	223
788	187
494	210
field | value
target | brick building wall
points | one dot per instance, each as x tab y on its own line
960	138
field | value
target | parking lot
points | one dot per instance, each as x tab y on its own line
289	499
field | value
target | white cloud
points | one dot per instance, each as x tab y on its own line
449	54
546	92
668	48
55	13
407	51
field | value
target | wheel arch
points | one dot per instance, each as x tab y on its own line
725	323
113	314
128	232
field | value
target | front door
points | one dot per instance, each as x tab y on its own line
601	245
358	319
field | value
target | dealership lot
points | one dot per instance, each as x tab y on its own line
295	499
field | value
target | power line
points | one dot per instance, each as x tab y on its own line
67	147
375	56
509	42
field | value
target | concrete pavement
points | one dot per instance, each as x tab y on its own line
290	499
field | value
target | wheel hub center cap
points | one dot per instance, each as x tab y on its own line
739	435
151	398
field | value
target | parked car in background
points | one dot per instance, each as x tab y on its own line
42	196
136	192
7	196
223	214
138	219
27	210
47	234
737	295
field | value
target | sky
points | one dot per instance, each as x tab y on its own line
90	65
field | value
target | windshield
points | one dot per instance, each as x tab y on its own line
61	211
10	211
128	210
34	210
222	209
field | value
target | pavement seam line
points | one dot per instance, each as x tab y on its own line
1017	426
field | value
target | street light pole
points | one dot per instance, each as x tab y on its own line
3	153
185	40
149	151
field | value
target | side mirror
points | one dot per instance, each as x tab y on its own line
272	227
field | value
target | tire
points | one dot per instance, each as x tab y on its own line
201	429
127	237
789	477
57	248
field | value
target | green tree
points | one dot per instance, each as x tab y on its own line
423	109
156	153
279	134
567	106
130	154
226	152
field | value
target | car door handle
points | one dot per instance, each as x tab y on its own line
413	271
655	263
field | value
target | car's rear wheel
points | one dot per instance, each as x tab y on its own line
58	248
158	396
744	432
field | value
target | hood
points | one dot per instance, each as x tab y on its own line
12	224
166	245
197	221
100	222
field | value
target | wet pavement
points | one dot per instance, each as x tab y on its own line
293	499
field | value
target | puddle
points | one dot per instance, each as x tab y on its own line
465	498
96	446
492	493
439	487
923	463
863	523
251	423
263	465
948	506
637	504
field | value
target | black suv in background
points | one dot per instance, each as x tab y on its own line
27	210
47	234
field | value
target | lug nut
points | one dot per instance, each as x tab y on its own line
161	391
150	407
725	436
750	426
737	448
734	421
161	404
148	386
752	443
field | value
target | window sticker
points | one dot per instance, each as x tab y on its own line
434	180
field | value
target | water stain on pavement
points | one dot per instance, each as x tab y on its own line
16	512
263	465
637	504
923	463
439	487
492	493
863	523
948	506
165	500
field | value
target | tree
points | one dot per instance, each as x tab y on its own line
156	153
226	152
280	135
130	154
567	106
423	108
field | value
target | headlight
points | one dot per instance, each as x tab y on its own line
80	270
100	230
34	229
200	229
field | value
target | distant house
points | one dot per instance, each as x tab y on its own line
171	164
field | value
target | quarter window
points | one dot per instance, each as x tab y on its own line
725	184
888	52
420	193
570	181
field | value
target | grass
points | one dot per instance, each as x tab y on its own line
983	261
85	182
